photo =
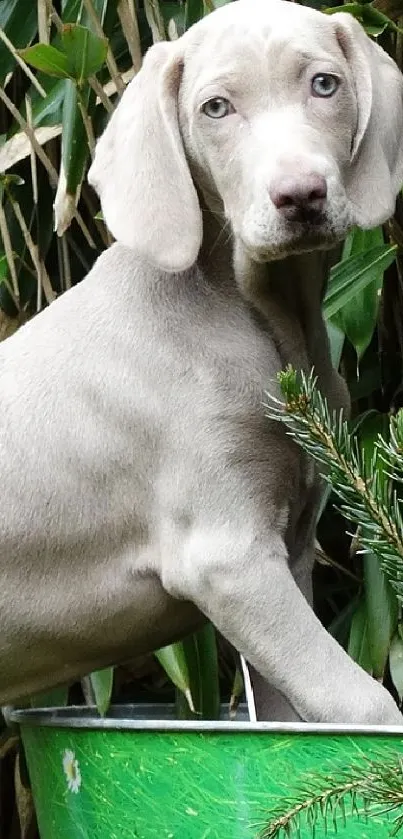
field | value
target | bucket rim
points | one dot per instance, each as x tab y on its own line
160	717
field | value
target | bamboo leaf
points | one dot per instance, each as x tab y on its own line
194	11
396	664
19	28
336	341
75	150
382	614
75	153
48	59
373	21
340	626
174	661
354	274
3	268
56	698
201	656
208	672
358	640
85	52
19	145
101	682
82	54
381	601
236	692
48	111
358	318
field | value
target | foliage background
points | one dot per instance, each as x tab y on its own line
63	67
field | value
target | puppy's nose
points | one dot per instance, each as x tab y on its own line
299	197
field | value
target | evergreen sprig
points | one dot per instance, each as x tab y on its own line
364	789
368	493
370	499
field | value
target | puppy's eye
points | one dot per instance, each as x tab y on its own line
217	108
324	85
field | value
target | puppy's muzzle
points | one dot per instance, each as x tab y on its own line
299	197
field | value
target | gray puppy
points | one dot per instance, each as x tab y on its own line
142	487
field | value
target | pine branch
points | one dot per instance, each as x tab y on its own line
368	495
370	788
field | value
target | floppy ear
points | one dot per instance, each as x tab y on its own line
375	174
140	171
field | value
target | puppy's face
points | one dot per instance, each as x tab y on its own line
268	116
276	112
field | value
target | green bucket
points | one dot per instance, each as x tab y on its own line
139	774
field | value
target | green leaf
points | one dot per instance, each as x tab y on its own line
373	21
56	698
381	601
192	665
20	27
358	640
85	52
396	664
172	11
208	672
340	626
48	59
81	54
7	180
336	342
74	11
173	660
354	274
3	268
369	426
382	614
75	151
201	656
194	11
101	682
237	690
357	320
48	111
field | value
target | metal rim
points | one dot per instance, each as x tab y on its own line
88	718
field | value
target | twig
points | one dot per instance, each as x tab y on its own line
110	60
66	262
100	92
43	276
5	235
43	21
155	20
34	180
128	20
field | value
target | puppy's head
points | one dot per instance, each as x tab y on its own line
276	112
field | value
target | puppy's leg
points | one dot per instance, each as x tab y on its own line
244	585
270	703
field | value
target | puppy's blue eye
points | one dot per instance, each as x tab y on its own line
217	108
324	85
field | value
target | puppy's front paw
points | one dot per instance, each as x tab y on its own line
380	709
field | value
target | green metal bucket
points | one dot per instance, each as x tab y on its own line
131	777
